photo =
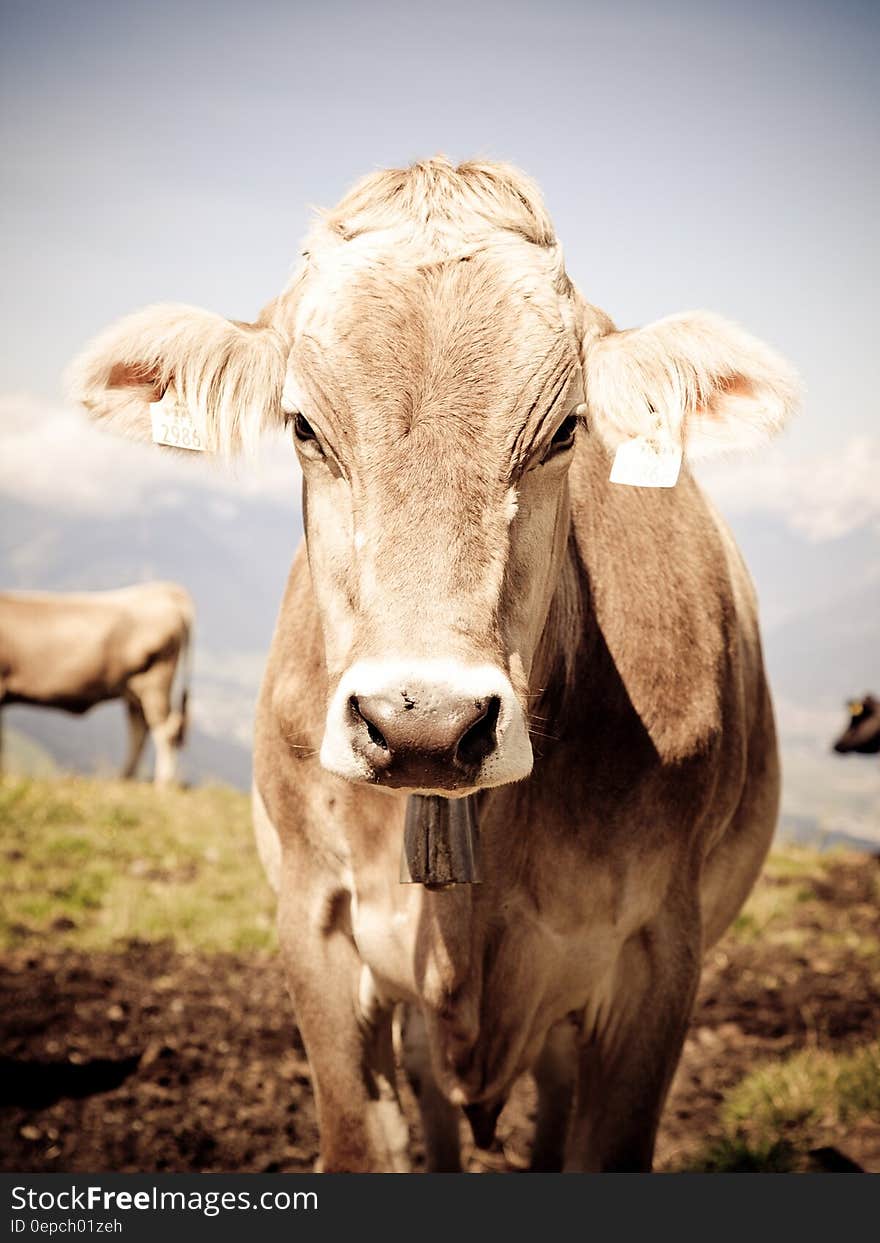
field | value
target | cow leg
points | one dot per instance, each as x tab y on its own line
440	1119
555	1073
163	725
377	1025
625	1070
137	737
167	751
152	689
345	1029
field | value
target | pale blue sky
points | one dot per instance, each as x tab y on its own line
691	154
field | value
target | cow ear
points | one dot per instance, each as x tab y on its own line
699	380
228	375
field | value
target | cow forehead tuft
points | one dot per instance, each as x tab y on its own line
442	201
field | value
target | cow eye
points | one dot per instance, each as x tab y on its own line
302	428
306	436
563	437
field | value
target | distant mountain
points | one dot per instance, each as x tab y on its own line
830	653
820	608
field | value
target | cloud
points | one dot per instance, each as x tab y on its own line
52	457
823	496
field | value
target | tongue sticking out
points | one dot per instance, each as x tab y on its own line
440	842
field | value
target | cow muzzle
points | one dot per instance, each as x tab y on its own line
431	727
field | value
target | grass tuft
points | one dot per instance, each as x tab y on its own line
778	1116
737	1155
812	1089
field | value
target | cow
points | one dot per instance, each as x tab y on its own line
478	613
862	734
73	651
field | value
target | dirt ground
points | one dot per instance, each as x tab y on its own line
153	1060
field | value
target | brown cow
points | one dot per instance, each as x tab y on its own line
75	651
862	734
479	613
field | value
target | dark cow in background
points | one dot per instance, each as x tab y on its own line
75	651
862	735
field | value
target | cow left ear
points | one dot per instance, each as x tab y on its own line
698	380
223	376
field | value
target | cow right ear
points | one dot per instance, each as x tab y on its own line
228	375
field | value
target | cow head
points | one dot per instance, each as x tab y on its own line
863	732
438	371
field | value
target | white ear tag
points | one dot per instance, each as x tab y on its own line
174	425
644	462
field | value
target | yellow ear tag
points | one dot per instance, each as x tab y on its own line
174	425
647	462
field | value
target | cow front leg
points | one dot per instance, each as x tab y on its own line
439	1117
555	1075
346	1032
164	738
625	1069
153	691
137	737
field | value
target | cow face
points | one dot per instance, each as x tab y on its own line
435	412
437	371
863	732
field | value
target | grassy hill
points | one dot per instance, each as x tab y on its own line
92	864
145	1023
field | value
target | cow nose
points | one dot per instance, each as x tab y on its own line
427	725
413	736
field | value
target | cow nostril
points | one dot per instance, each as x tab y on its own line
377	738
479	740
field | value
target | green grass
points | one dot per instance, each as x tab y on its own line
92	864
811	1090
786	907
736	1155
780	1111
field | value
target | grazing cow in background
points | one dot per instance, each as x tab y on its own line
75	651
863	732
480	614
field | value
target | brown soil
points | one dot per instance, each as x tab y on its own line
153	1060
